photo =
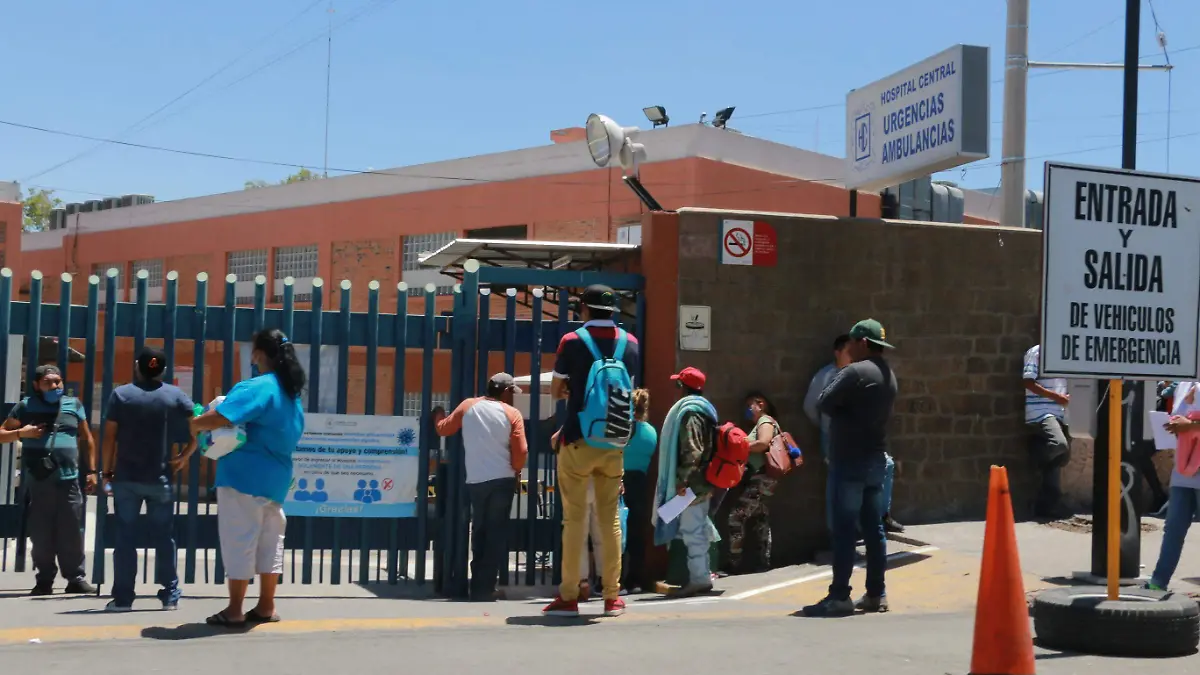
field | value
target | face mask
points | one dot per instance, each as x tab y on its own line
254	369
53	396
750	414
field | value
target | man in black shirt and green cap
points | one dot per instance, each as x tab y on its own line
859	404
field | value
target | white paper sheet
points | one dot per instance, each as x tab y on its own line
1182	407
1163	439
670	510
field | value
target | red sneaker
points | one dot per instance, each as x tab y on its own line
614	607
560	607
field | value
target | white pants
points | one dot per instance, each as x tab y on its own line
593	530
251	530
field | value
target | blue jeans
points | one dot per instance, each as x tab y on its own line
1183	505
889	480
858	505
694	532
159	527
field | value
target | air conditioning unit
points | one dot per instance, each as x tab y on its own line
110	203
73	208
90	206
1033	210
136	200
58	219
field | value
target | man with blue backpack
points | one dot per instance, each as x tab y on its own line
593	371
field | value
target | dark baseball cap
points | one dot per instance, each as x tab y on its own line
151	361
599	296
692	378
501	382
871	331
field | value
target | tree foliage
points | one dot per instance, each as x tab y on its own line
299	177
36	206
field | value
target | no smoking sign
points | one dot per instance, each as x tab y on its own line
748	242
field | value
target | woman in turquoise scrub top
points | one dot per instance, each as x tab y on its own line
252	481
638	454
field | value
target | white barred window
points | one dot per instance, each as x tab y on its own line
101	270
416	245
246	265
154	282
412	403
298	262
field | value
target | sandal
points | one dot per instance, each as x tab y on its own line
222	620
254	618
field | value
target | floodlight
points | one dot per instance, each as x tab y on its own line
722	117
657	115
606	138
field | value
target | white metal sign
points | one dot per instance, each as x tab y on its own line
925	118
1120	274
695	328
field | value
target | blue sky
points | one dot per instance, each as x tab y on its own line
419	82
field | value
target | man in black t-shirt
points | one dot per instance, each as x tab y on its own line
145	420
579	463
859	404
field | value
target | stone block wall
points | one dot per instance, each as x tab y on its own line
959	302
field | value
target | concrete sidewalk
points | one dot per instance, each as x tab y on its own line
935	573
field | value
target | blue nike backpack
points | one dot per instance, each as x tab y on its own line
606	417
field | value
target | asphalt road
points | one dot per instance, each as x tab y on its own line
699	644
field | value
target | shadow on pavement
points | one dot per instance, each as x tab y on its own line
552	621
191	631
1052	655
715	593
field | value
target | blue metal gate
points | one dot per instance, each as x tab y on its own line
476	334
325	549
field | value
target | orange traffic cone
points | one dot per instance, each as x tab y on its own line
1003	643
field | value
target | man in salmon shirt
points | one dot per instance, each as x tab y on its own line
495	450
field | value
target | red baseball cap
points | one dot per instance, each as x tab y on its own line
690	377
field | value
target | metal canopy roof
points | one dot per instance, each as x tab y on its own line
569	255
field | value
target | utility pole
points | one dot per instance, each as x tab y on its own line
1016	75
1012	145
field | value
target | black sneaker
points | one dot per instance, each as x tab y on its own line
891	526
830	607
42	590
80	587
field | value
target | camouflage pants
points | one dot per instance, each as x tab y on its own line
750	513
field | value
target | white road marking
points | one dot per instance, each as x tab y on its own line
825	574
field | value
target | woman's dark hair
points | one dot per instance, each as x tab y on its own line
758	394
276	347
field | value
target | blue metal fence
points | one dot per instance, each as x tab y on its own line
336	549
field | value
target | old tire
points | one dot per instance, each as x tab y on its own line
1141	623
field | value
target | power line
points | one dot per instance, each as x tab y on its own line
972	167
134	127
1161	36
213	155
380	4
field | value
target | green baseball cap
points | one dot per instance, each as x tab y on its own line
871	331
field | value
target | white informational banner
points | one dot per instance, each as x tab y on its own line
926	118
361	466
327	395
1120	274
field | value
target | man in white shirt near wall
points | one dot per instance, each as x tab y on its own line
1046	402
495	450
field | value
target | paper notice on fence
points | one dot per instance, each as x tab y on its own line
675	506
1163	439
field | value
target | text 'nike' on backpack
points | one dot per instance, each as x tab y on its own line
606	416
729	456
